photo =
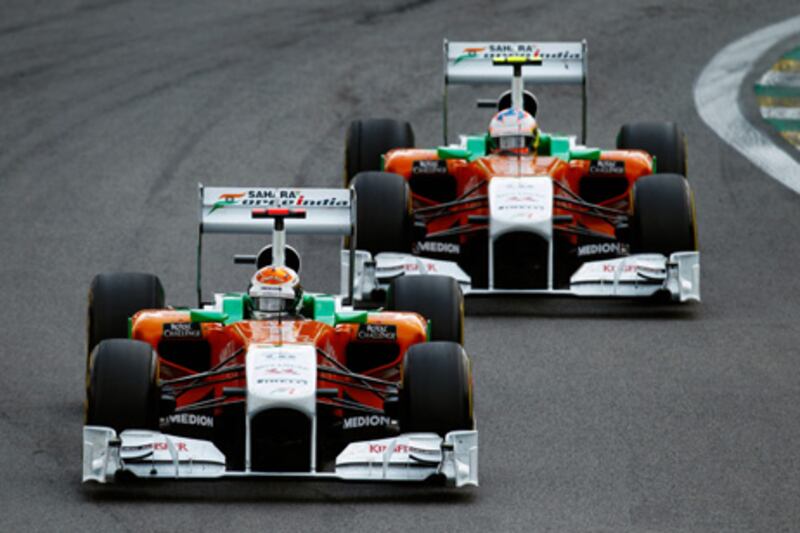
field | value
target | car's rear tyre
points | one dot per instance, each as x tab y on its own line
383	213
369	139
437	298
123	390
663	218
664	140
436	389
115	297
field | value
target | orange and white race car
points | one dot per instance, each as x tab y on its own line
516	210
276	381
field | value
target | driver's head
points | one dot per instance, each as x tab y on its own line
275	291
513	131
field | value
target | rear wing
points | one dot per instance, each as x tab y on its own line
228	210
470	63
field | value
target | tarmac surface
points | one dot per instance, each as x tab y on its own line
593	416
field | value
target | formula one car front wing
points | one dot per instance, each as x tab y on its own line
633	276
412	457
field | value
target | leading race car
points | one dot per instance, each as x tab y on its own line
276	381
518	210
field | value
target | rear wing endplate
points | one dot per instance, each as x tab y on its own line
470	63
228	210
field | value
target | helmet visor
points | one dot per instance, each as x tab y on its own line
271	305
513	142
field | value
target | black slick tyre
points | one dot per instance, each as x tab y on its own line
383	213
437	298
123	385
663	218
664	140
369	139
115	297
436	389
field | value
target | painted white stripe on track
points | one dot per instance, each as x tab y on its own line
790	113
780	78
716	97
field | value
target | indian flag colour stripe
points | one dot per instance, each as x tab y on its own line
792	136
772	101
787	65
781	78
778	94
781	124
783	113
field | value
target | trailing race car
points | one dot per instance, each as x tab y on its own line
275	381
520	211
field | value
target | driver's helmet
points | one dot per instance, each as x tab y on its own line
515	131
275	291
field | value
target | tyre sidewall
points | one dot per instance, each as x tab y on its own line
114	298
384	221
664	140
437	298
436	393
368	140
663	218
123	390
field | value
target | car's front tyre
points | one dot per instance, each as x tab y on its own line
663	216
436	389
123	391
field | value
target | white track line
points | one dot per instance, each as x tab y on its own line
777	77
786	113
716	97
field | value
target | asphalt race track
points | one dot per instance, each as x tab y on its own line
594	416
